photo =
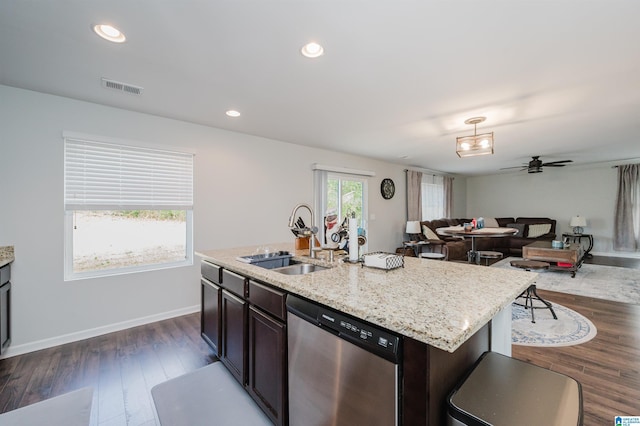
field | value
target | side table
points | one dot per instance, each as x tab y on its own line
577	238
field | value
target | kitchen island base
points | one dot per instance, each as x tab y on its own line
442	332
429	374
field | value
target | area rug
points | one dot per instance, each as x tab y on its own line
571	328
601	282
206	396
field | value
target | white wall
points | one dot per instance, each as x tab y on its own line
558	193
245	188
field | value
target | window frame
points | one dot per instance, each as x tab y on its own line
321	176
69	210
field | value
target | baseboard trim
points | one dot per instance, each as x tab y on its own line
14	350
626	255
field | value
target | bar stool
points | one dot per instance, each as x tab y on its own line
531	293
486	255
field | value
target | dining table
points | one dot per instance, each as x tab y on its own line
459	231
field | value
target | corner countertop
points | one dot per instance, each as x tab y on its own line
6	255
438	303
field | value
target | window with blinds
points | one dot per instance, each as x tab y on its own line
127	208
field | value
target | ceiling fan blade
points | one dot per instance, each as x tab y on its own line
515	167
556	163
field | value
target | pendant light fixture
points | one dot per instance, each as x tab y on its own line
477	144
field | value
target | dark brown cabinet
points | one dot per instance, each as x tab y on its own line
5	307
211	299
267	364
244	321
234	335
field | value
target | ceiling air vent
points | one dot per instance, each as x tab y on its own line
123	87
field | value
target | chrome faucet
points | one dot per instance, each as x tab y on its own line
309	231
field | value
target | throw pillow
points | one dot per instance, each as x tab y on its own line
519	226
429	233
538	229
490	222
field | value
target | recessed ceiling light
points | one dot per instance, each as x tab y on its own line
312	50
109	32
233	113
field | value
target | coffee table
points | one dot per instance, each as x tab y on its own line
542	251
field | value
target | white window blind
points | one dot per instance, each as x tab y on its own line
102	176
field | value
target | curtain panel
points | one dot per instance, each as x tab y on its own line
414	195
626	230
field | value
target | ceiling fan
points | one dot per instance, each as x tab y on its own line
536	165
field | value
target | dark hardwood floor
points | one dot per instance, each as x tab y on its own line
608	367
122	367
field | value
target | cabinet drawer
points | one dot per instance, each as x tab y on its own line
234	283
210	271
268	299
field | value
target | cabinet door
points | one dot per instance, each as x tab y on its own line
267	364
210	300
234	342
5	316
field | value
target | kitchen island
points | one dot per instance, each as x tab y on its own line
448	313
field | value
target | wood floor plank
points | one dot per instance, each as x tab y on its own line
608	367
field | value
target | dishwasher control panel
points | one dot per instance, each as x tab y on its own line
374	339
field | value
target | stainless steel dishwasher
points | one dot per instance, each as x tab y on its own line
342	372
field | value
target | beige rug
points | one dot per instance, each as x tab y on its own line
571	328
601	282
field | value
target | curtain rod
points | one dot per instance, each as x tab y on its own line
620	165
431	172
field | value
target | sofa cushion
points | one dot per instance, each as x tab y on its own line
521	227
429	233
490	222
538	229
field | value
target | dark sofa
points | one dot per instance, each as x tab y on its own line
457	248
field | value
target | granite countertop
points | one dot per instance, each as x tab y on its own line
6	255
438	303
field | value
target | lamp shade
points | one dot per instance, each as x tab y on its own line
578	221
413	227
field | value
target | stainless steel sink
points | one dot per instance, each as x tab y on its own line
300	269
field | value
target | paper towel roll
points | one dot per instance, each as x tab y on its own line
353	239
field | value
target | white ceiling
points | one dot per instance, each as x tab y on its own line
559	79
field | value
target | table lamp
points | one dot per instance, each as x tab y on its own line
578	223
413	229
